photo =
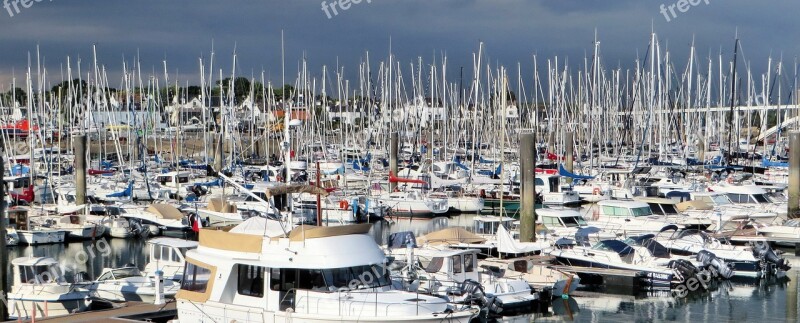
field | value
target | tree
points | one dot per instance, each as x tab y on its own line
241	87
287	89
16	95
193	91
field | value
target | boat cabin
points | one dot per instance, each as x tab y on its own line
168	255
616	208
16	183
712	198
744	194
660	206
173	179
447	266
18	219
36	270
551	218
488	225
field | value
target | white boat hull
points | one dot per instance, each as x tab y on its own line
25	303
40	237
216	312
122	291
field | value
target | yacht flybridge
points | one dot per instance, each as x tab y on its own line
310	274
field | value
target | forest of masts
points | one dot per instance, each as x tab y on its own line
644	110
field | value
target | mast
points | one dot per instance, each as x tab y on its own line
733	98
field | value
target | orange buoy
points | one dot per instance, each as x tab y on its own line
344	205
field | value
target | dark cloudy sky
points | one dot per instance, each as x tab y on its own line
512	30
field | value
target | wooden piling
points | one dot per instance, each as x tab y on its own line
527	156
794	176
80	169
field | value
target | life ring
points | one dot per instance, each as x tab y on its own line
596	191
730	179
344	205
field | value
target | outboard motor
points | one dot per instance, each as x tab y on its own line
709	259
473	291
683	269
762	251
82	277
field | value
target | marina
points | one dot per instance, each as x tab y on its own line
399	161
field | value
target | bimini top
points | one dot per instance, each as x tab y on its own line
34	261
617	246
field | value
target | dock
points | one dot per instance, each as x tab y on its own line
131	311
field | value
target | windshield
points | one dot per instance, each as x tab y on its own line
669	209
358	275
761	198
574	221
721	200
641	211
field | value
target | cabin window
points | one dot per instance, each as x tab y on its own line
175	256
312	279
641	211
550	222
739	198
615	211
251	280
456	264
183	179
156	252
328	279
538	182
195	278
35	274
469	263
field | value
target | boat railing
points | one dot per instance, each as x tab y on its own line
342	297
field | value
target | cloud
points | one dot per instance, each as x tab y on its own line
180	32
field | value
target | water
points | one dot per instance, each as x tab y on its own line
763	301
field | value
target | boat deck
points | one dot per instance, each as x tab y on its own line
131	311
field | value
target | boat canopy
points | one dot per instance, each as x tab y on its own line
564	172
617	246
655	248
451	236
165	211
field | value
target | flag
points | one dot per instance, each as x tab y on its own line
196	225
